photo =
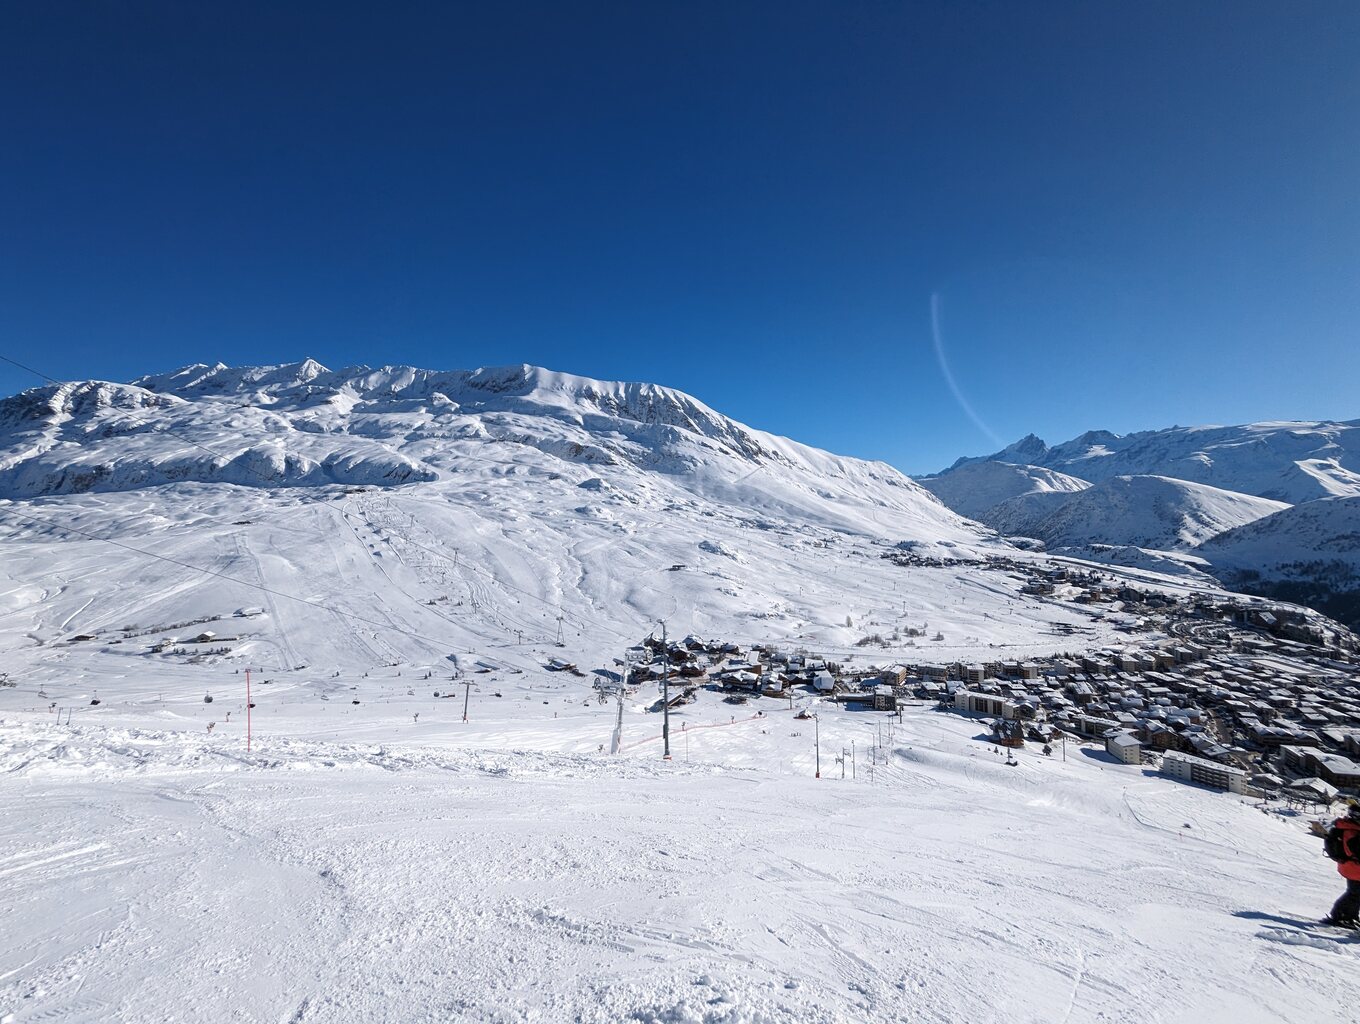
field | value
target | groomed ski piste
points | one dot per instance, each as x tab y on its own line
372	856
453	872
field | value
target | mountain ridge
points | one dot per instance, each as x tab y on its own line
1283	460
301	424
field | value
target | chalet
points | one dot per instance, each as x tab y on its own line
1315	790
1206	747
742	681
1272	736
1161	737
1008	732
1082	692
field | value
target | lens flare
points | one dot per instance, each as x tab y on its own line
949	375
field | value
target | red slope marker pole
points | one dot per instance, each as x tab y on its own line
247	710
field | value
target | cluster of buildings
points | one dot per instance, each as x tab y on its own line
1240	697
740	672
1225	702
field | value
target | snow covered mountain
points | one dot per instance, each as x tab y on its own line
303	425
463	509
975	488
1326	530
1284	461
1154	512
1159	494
1308	553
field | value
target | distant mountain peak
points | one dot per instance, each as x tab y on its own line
1028	451
1291	461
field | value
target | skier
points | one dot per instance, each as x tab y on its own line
1342	844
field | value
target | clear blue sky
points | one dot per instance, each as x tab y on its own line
1132	215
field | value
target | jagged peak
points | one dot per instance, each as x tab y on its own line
1094	437
219	377
73	398
483	388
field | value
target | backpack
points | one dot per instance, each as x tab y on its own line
1337	844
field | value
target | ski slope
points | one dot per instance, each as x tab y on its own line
447	876
539	509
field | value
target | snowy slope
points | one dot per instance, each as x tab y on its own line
976	488
439	871
535	504
1149	512
1024	515
1284	545
1285	461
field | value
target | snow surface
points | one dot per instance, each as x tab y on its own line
375	857
1168	563
455	873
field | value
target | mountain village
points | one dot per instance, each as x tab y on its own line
1255	699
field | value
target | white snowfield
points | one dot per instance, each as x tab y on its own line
358	540
610	506
163	876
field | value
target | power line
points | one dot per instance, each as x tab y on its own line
29	369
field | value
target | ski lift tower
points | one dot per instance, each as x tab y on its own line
619	691
665	694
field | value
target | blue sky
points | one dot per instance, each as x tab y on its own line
1128	215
